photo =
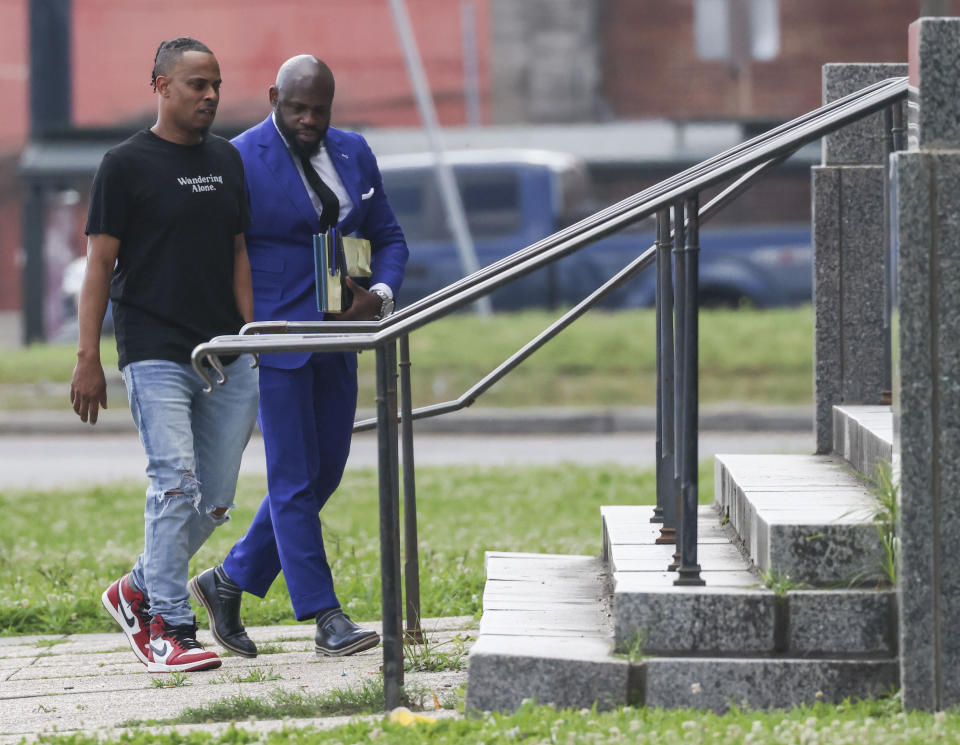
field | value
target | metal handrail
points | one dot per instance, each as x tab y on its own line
367	336
676	452
469	397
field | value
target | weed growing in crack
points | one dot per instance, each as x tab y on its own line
779	582
886	491
177	679
425	657
633	649
255	675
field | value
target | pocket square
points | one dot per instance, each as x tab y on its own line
367	195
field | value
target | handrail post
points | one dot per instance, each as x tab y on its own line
389	524
658	440
886	395
395	493
679	293
411	552
689	570
893	142
666	488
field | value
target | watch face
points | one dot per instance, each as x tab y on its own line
386	304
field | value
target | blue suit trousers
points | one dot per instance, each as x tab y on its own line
306	418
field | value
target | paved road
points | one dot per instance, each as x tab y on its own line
52	461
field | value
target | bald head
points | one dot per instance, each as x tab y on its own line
302	100
304	69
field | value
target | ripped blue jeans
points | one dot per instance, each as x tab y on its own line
193	442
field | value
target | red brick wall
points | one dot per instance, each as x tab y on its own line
114	42
651	69
13	72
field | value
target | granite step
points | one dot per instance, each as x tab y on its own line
719	684
807	517
546	634
863	436
734	613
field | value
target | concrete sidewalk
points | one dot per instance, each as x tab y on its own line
92	683
727	417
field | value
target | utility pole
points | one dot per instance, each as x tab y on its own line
453	204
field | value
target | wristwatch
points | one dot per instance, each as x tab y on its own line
386	304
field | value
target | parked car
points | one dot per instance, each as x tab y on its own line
513	198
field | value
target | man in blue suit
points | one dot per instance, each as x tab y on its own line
303	177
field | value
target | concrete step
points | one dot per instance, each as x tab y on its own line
863	436
719	684
807	517
545	633
733	614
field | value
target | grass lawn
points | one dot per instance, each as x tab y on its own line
873	722
603	359
60	549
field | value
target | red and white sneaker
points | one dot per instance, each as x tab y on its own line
130	609
174	648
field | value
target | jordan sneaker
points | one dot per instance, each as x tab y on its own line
175	648
130	608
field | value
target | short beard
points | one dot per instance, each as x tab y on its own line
298	148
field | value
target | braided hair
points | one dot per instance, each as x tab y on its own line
170	51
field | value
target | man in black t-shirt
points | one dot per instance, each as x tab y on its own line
168	210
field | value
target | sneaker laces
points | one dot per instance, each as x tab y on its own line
185	635
141	611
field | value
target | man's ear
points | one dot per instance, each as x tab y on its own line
274	96
162	85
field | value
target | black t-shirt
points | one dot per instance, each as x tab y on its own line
176	210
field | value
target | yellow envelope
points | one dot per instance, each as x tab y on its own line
356	251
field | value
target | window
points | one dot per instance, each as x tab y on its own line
737	29
491	200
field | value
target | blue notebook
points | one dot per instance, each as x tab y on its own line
325	268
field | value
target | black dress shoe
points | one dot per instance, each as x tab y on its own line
338	636
216	592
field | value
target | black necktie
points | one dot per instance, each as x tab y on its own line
331	205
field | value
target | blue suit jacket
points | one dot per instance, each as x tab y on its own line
283	223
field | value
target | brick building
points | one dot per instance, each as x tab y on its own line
651	67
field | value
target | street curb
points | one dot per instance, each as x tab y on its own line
480	421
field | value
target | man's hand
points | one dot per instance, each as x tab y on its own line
365	305
88	389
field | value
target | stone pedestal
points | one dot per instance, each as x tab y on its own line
849	247
926	197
